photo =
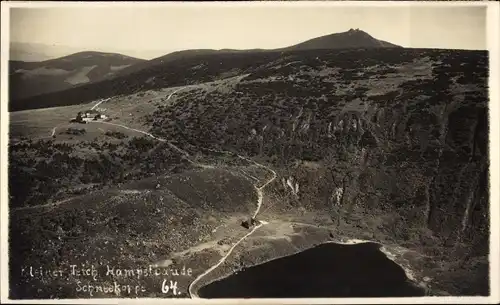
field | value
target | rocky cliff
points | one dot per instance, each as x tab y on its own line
398	133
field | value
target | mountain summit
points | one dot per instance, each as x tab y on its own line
354	38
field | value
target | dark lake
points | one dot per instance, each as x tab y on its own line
328	270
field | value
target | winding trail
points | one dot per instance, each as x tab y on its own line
181	88
260	194
53	204
181	151
173	146
190	289
259	189
53	131
99	103
262	222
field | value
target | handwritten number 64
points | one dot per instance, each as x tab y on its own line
166	288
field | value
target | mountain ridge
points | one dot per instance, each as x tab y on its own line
352	39
29	79
330	41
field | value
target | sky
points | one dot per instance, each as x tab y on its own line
148	32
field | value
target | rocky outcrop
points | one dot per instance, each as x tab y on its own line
400	135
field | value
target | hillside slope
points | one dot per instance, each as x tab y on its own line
183	71
34	78
398	133
179	55
186	67
387	144
422	111
346	40
124	227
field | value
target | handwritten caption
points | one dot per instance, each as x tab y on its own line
98	279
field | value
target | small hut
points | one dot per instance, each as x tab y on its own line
90	113
100	116
250	223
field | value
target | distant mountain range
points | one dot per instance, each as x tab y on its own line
31	79
33	52
354	38
34	78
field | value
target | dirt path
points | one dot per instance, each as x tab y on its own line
262	222
260	196
145	133
181	88
53	131
173	146
259	189
45	205
99	103
190	290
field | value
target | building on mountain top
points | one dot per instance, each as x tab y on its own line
88	115
100	116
